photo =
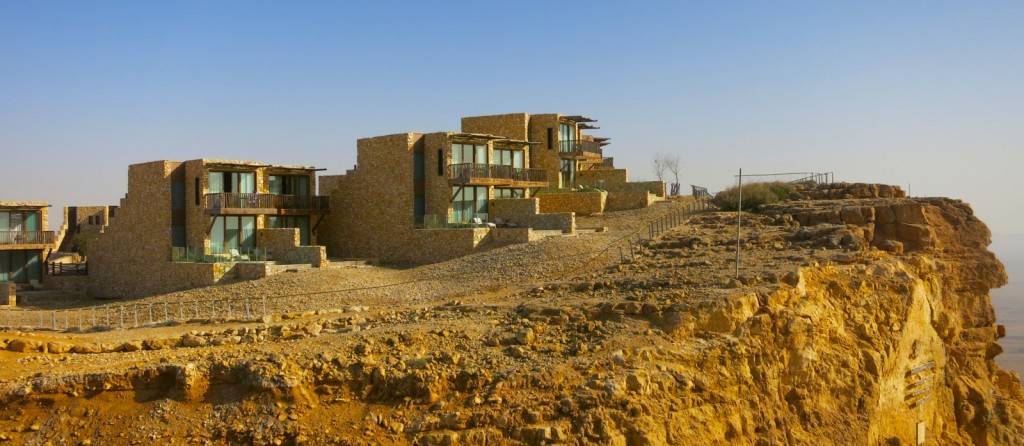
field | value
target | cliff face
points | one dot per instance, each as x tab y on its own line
858	317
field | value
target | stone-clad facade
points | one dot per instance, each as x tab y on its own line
84	223
184	224
24	241
410	192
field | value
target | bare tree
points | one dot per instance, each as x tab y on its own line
672	164
659	167
667	162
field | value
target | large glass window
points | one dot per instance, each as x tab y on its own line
508	193
470	202
233	232
504	157
469	154
232	182
297	185
21	266
568	177
566	137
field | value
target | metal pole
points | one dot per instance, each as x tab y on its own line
739	212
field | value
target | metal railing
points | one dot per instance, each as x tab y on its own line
218	254
27	237
467	171
67	269
793	177
432	221
226	200
581	148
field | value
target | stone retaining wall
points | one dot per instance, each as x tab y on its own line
282	244
620	201
582	203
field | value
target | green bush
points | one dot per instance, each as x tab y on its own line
754	195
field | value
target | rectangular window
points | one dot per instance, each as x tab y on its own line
440	162
417	166
177	196
514	158
178	236
198	197
567	137
508	193
297	185
469	203
469	154
551	138
216	182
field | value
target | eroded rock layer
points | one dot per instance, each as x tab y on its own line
857	317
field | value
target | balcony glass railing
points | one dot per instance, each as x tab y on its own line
267	201
580	148
218	254
467	171
27	237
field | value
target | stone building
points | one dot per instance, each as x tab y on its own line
198	222
419	198
24	241
84	223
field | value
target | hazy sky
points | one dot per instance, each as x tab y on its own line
926	94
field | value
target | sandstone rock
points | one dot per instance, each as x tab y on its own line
23	345
57	347
525	337
131	346
891	246
192	341
87	348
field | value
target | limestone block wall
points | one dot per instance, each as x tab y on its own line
544	155
582	203
507	236
606	178
129	258
513	126
327	184
82	219
620	201
68	284
525	212
283	246
372	205
437	155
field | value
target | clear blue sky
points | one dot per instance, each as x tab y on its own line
929	94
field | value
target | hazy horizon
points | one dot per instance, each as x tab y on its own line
925	95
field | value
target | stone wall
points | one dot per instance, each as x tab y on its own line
283	246
89	220
524	212
68	283
582	203
129	258
512	126
8	293
327	184
620	201
602	178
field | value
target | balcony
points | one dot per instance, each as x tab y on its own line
10	238
260	204
492	175
580	149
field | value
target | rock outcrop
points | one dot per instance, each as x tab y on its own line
858	316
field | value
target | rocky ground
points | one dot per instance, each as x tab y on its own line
857	317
